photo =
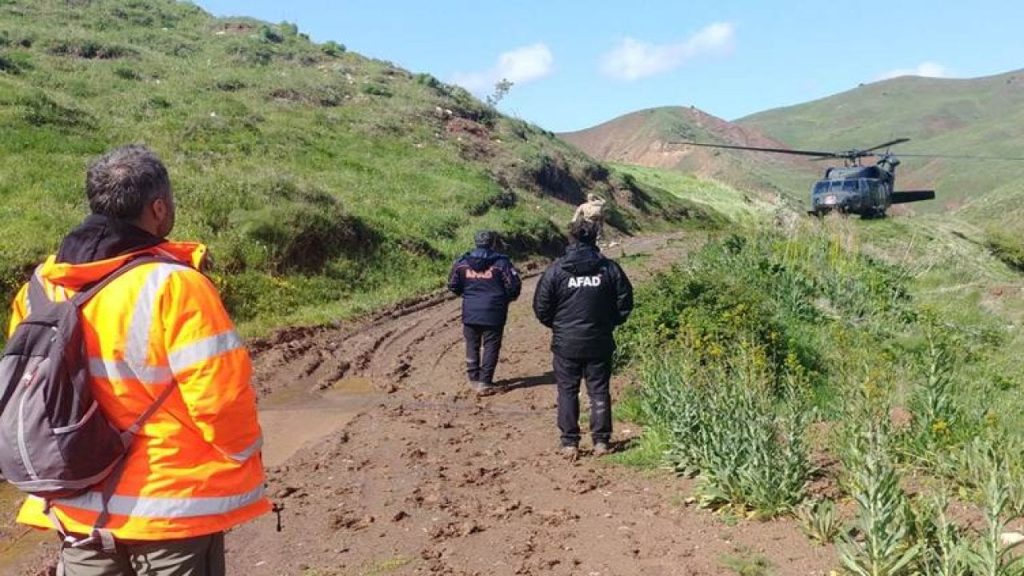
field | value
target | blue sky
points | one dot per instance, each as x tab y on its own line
575	64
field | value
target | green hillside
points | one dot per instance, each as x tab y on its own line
326	183
973	117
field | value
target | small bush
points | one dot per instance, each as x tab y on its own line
377	90
250	53
41	110
15	63
726	423
89	49
269	34
332	48
229	84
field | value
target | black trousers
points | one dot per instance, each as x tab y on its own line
482	369
598	374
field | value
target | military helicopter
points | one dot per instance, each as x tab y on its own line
852	188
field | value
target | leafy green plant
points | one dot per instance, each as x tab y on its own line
723	425
884	545
819	521
991	556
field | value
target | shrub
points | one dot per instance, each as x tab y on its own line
15	63
332	48
726	424
428	80
269	34
297	230
377	90
89	49
41	110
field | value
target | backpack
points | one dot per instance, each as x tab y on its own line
55	442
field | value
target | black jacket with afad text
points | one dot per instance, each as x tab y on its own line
487	282
582	297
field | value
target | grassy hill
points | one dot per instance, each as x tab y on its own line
326	183
973	117
646	138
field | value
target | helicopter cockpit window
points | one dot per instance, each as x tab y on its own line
821	187
851	185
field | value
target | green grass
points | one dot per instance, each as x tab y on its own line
736	205
763	333
746	563
326	183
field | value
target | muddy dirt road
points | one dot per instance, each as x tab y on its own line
383	462
419	476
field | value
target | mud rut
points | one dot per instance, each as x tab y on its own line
383	462
418	476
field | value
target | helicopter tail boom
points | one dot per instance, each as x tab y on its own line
912	196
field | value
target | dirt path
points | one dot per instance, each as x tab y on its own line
384	463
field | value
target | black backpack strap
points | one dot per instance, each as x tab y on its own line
84	296
37	299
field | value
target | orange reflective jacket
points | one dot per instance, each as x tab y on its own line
195	466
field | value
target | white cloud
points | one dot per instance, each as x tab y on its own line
928	69
634	59
519	66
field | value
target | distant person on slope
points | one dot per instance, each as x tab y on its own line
591	211
157	336
582	297
487	282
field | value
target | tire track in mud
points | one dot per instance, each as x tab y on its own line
427	478
391	465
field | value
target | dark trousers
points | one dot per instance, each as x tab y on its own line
199	556
482	369
598	374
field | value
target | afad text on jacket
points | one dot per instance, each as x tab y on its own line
582	297
487	282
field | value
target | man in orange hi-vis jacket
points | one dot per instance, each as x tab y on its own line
194	470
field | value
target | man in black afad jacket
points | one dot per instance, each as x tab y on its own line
487	282
582	297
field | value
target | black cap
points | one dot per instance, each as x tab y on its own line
485	238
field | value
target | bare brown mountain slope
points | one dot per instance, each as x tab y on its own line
648	137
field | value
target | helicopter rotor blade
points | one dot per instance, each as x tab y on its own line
886	145
961	157
823	155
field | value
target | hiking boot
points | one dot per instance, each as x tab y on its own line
600	449
482	388
570	453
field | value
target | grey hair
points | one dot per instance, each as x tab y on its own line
123	181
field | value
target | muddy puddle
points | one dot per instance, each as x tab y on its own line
292	420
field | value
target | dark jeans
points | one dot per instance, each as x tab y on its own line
598	374
477	369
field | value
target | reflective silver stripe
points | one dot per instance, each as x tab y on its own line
120	370
150	507
203	350
137	345
80	423
248	452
